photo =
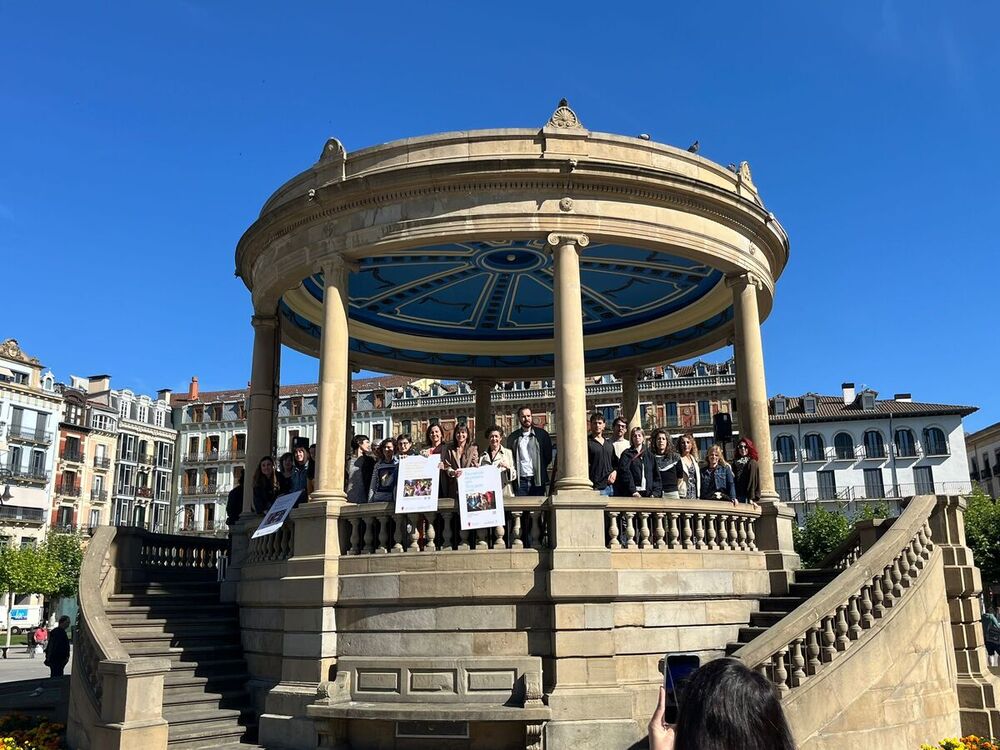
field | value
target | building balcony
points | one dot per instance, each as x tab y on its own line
201	489
98	496
146	459
68	454
69	490
163	463
143	492
64	528
20	476
26	435
15	514
102	462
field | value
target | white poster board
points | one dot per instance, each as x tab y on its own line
480	498
417	484
276	514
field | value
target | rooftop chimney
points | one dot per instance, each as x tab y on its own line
193	389
849	394
902	397
98	384
164	394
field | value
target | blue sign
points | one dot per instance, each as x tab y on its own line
19	614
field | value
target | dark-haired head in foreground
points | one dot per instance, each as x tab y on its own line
726	706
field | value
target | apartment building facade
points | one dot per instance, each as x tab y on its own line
30	409
983	449
88	440
856	446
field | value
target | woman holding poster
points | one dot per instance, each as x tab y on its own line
434	446
499	456
383	488
461	454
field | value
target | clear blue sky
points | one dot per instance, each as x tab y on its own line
139	140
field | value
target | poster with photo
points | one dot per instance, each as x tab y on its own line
276	514
480	498
417	484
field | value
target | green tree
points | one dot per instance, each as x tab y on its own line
28	570
821	533
982	533
67	550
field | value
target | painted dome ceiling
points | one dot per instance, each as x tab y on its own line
489	304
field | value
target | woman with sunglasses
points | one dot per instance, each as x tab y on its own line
747	472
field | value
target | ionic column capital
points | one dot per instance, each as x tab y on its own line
558	239
742	280
626	373
264	321
337	264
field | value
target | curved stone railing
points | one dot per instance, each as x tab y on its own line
373	528
813	635
114	695
651	523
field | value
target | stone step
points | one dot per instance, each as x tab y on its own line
765	619
236	677
162	597
804	590
212	733
125	612
185	714
180	583
748	633
203	655
223	667
187	697
816	575
784	604
227	631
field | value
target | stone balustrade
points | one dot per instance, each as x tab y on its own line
181	552
815	634
374	529
273	547
651	523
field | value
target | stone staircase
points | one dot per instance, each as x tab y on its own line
205	698
805	583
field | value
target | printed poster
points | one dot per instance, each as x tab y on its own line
480	498
417	484
276	514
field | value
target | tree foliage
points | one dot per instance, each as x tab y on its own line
28	570
821	533
982	533
67	550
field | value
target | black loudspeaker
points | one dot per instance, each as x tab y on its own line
723	426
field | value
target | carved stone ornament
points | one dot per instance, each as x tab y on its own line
745	175
564	118
10	349
333	149
566	204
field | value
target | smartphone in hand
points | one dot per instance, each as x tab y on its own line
677	670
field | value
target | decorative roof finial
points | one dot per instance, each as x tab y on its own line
564	118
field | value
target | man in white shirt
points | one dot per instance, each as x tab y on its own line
532	449
618	429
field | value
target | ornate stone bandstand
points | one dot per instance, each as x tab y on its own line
485	255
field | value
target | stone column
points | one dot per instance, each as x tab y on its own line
263	398
749	353
774	530
484	408
630	397
742	411
571	393
334	384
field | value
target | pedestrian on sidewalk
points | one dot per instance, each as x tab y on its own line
57	654
38	637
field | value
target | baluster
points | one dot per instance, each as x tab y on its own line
369	534
842	640
780	672
463	542
761	669
430	533
897	579
866	607
355	536
798	662
687	531
499	542
536	529
397	535
630	530
733	544
913	555
925	535
812	648
723	539
517	541
741	532
644	531
699	532
659	532
414	545
878	598
829	638
473	536
854	618
751	534
446	531
887	597
614	531
482	540
907	567
674	535
710	534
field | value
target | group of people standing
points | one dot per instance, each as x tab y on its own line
668	469
618	465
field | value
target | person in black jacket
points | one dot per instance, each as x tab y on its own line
265	485
637	475
57	653
667	462
234	502
532	449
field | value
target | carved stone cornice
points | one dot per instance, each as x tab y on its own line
741	280
10	349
